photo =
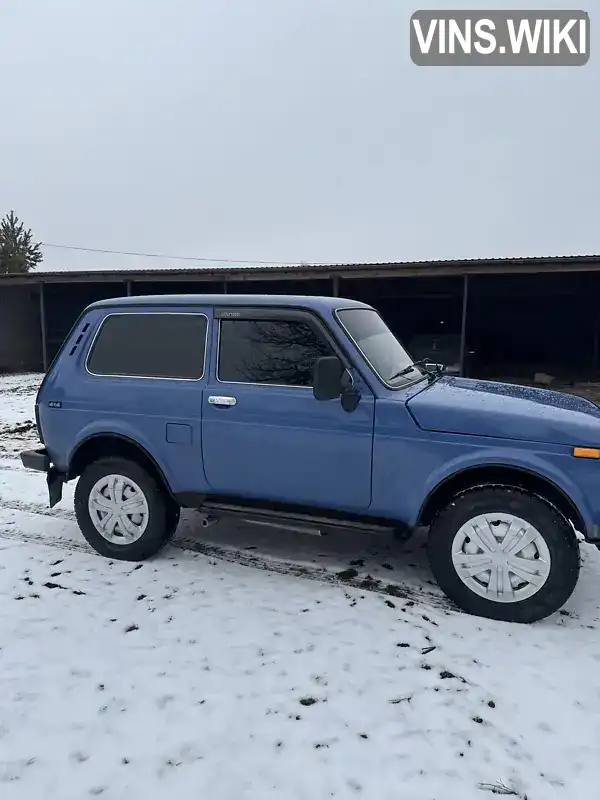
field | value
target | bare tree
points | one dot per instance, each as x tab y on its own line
284	351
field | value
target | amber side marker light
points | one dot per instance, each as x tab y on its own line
586	452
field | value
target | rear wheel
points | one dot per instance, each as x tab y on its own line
122	511
504	554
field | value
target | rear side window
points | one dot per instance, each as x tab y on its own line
150	346
277	352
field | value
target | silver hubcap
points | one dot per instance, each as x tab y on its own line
501	557
119	509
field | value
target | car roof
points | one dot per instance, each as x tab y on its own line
228	300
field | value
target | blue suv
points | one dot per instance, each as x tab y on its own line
307	412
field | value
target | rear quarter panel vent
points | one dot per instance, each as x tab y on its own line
79	339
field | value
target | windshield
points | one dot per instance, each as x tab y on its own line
379	346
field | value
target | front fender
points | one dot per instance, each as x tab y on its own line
525	460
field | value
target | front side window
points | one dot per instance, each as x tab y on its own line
379	346
150	346
277	352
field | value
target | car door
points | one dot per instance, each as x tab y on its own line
264	436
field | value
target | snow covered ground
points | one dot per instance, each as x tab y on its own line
239	665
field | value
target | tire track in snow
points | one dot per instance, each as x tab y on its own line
229	555
321	574
33	508
48	541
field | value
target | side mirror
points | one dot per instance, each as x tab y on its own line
327	378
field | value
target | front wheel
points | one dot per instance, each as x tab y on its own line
122	511
504	554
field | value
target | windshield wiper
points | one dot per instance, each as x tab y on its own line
420	363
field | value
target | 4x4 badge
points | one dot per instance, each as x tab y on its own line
54	403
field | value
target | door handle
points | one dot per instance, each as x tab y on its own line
220	400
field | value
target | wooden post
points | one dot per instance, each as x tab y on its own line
43	328
128	288
463	324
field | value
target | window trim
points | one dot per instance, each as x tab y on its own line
148	314
359	349
279	315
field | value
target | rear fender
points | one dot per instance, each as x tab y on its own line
117	427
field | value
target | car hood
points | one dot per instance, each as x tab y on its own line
503	410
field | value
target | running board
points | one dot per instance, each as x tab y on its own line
292	521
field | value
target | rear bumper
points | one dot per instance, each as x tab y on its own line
40	461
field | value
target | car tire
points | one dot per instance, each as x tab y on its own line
547	568
143	528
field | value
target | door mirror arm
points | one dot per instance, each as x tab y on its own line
350	393
350	398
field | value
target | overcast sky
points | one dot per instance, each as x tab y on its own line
286	130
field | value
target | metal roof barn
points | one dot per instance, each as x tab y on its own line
500	317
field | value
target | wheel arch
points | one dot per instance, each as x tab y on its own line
114	445
499	475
